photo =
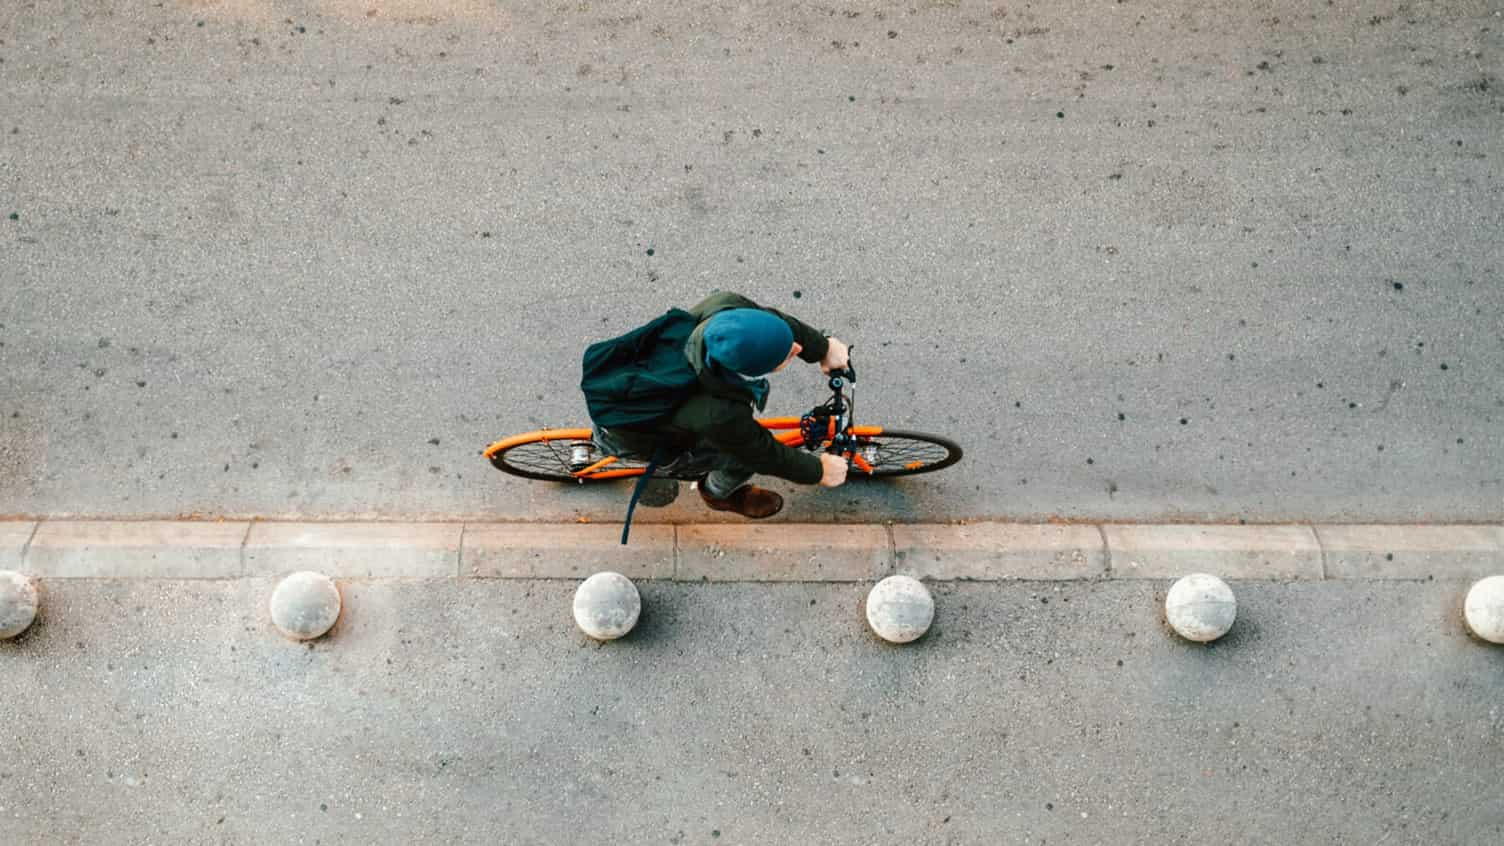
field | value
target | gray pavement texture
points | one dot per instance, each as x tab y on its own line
474	712
1147	261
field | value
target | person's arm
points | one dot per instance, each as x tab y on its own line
813	343
737	433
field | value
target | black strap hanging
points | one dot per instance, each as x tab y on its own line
642	482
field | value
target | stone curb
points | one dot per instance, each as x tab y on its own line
150	549
814	552
993	551
14	538
565	551
1231	552
355	550
749	552
1412	552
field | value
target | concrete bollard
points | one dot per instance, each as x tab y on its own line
305	605
606	606
1484	609
18	603
1200	607
900	609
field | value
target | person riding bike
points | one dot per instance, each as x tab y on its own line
713	433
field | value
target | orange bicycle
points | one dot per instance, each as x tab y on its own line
569	455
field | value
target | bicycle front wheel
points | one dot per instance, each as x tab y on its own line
891	452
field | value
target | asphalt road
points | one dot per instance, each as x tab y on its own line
474	712
1145	260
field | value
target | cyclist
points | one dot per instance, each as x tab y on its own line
713	434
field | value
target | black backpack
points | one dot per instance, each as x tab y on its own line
639	379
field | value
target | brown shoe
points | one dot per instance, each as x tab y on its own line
748	501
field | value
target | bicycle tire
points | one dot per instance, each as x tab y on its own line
900	453
544	455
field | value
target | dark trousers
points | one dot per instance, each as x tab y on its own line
723	475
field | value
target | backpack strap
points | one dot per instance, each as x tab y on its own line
642	482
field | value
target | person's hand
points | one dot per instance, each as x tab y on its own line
835	470
835	357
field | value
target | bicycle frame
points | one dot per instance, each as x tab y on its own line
790	431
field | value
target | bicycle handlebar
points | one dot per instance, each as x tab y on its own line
848	373
838	381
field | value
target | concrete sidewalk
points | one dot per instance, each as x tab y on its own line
471	711
778	552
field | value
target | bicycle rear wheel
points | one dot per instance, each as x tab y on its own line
555	455
892	452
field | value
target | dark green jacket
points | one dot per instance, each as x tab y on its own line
721	414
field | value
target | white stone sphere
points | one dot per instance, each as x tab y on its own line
18	603
1201	607
1484	609
900	609
305	605
606	606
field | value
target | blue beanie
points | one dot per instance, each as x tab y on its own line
748	341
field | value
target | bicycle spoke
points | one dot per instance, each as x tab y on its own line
901	453
562	462
552	459
889	454
546	460
541	463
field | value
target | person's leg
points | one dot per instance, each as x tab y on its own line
724	483
727	487
725	477
657	492
607	444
